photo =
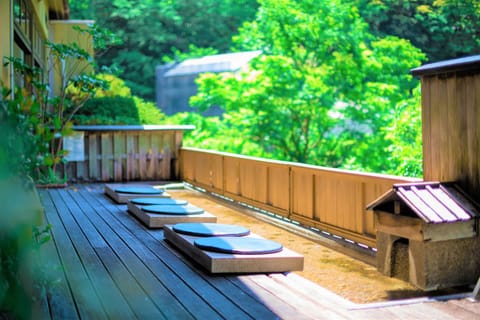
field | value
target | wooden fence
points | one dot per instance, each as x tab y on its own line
125	153
328	199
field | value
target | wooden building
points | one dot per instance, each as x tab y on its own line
26	26
427	233
451	122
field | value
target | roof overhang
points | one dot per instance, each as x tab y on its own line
433	202
469	64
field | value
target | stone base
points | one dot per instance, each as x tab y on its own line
430	265
285	260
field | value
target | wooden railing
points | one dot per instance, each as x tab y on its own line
327	199
125	153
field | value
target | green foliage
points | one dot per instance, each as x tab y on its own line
116	87
154	31
443	29
217	134
324	91
148	112
116	109
193	52
115	105
406	138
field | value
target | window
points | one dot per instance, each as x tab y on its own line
29	41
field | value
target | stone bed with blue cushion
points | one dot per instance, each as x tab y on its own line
231	249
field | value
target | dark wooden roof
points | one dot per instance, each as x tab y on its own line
471	63
433	202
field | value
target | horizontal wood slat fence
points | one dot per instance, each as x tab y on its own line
127	153
327	199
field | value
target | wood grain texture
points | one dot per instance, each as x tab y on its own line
111	266
451	130
116	155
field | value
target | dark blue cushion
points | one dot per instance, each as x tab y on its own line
139	190
173	209
210	229
238	245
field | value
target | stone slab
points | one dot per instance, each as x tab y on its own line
215	262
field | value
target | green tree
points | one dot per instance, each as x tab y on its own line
155	30
443	29
325	89
117	105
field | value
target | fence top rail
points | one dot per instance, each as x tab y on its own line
296	165
132	127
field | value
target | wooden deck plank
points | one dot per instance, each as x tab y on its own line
202	283
112	300
117	288
153	263
460	312
184	273
136	262
61	303
270	299
85	298
106	251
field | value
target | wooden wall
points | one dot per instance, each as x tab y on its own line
451	122
127	154
328	199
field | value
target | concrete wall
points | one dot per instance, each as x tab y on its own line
431	265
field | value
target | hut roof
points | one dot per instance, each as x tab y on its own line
433	202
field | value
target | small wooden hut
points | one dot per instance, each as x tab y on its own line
428	233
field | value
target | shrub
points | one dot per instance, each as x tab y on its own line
148	112
116	105
108	110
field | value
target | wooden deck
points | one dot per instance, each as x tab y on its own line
113	267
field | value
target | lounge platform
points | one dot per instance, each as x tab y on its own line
159	220
215	262
121	193
104	264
